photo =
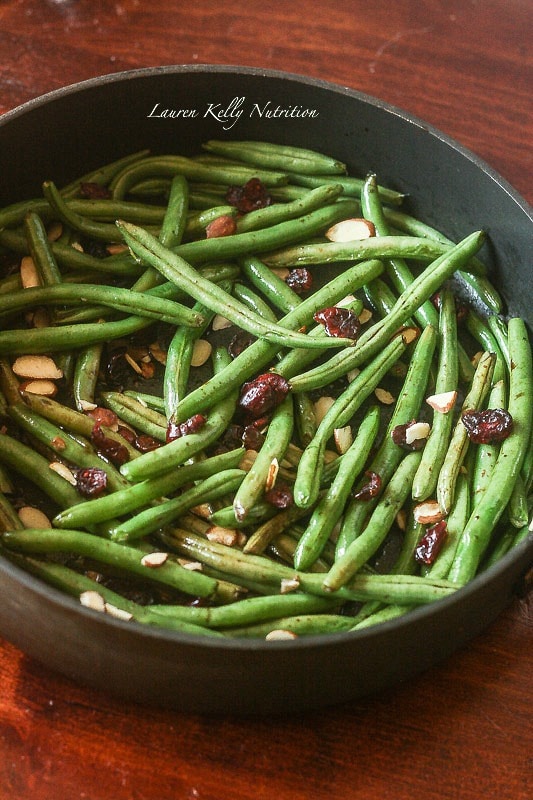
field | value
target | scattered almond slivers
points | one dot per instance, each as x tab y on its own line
220	323
428	512
247	460
384	396
365	316
343	439
322	406
418	430
409	334
29	277
158	353
350	230
118	613
442	402
64	472
272	475
92	599
279	635
154	560
282	272
32	517
352	374
201	351
45	388
228	536
55	231
289	585
37	366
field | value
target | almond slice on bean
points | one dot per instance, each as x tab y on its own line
289	585
322	406
64	472
32	517
37	366
428	512
201	352
272	475
365	316
220	323
350	230
43	387
228	536
154	560
418	430
92	599
118	613
280	634
343	439
384	396
29	276
442	402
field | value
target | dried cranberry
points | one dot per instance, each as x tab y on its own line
91	481
300	280
398	435
341	322
126	434
431	543
93	191
175	430
103	416
239	343
145	443
280	497
263	394
370	489
252	439
486	427
249	197
111	449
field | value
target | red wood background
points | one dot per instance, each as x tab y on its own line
462	730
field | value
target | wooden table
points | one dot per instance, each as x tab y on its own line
459	731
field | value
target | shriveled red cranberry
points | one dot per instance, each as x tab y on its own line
340	322
431	543
249	197
263	394
280	497
93	191
114	451
252	438
145	443
91	481
461	309
103	416
489	426
370	489
175	430
239	343
398	435
300	280
127	434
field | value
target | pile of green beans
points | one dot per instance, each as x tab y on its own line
290	522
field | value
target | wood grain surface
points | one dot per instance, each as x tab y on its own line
463	729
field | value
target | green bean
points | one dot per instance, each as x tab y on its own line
315	624
126	557
271	285
149	520
423	286
136	414
150	400
485	516
276	156
232	562
27	462
330	508
9	519
178	451
40	250
177	270
261	353
364	547
85	375
307	482
282	212
304	418
9	383
455	525
254	302
141	494
425	480
103	175
79	452
499	331
351	186
261	538
175	220
388	456
272	450
459	442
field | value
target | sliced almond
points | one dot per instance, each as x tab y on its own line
343	439
92	599
58	443
247	460
289	585
116	248
154	560
350	230
32	517
118	613
476	358
133	364
442	402
194	566
272	475
158	353
228	536
401	519
204	510
282	272
352	374
37	366
220	323
322	406
416	431
64	472
224	225
409	335
42	387
41	318
29	277
279	635
365	316
346	301
86	405
428	512
384	396
55	231
201	352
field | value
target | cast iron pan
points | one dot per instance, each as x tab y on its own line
73	130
